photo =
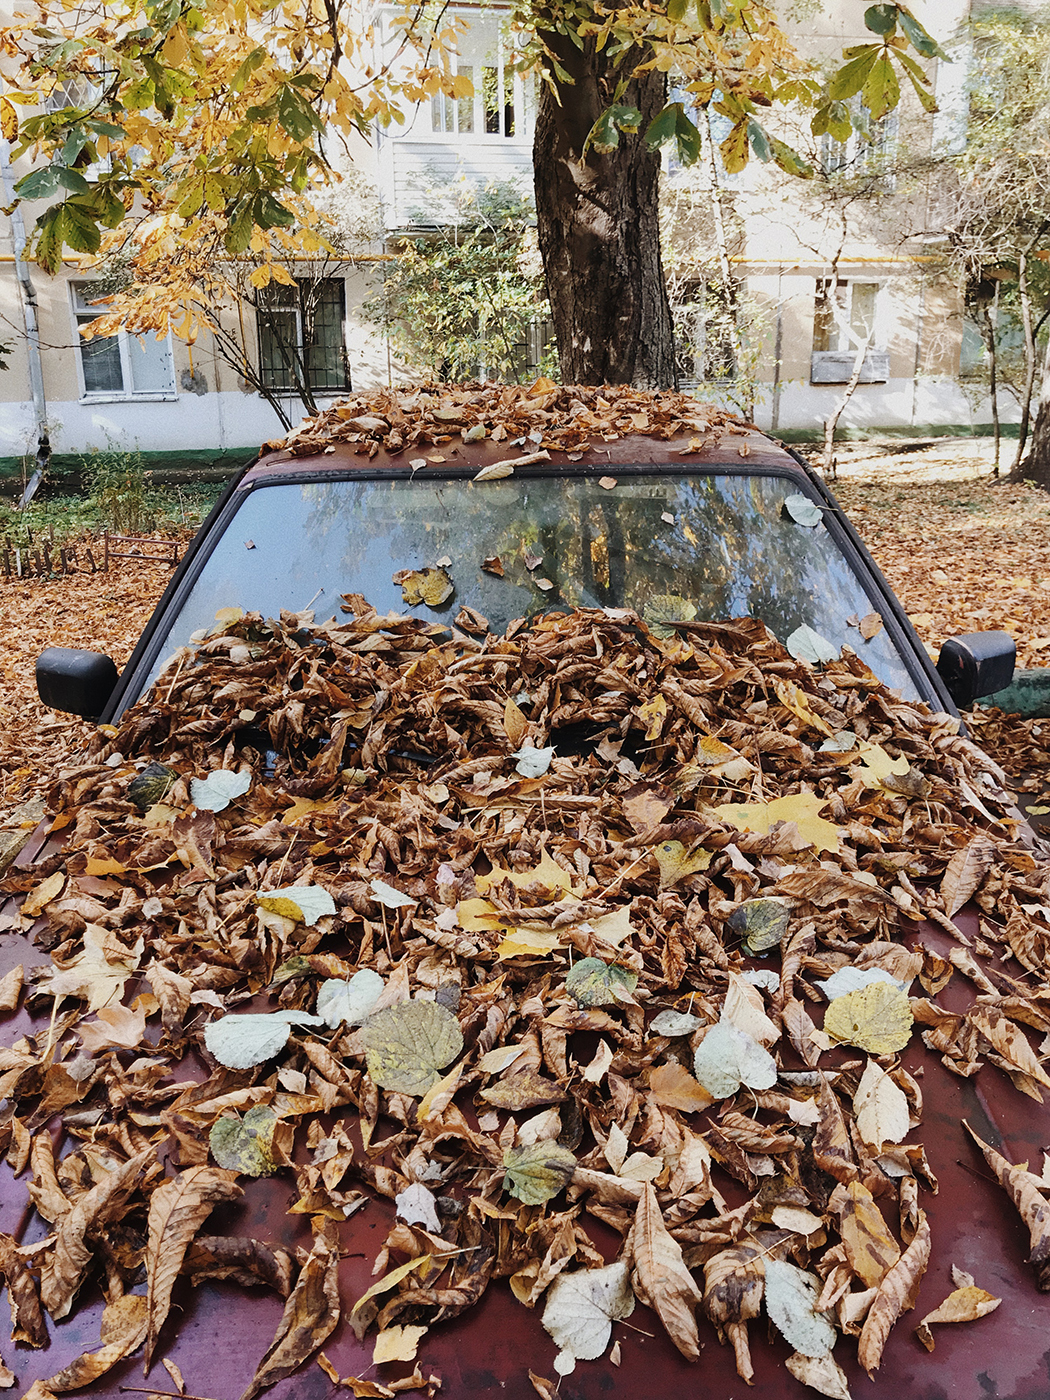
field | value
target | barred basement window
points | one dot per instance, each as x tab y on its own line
301	336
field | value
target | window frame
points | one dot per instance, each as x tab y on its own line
80	311
284	386
441	117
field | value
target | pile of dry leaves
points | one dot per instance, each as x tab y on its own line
549	416
576	922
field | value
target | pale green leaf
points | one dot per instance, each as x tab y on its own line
532	763
305	904
593	982
790	1296
672	1023
802	510
215	792
340	1000
245	1144
582	1307
386	894
728	1057
239	1042
806	645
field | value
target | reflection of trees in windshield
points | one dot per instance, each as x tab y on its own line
721	542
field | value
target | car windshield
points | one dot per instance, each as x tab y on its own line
692	546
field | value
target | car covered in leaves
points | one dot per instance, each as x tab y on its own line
529	919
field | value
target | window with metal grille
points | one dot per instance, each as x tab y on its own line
301	335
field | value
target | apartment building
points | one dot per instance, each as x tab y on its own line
819	279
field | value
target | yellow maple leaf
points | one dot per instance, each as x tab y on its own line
523	942
794	699
676	862
801	808
548	872
876	765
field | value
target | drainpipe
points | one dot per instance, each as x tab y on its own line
29	315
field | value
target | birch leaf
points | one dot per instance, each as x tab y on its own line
416	1206
727	1058
806	645
881	1108
350	1000
532	763
674	1023
215	792
177	1210
536	1173
659	1275
397	1344
582	1307
239	1042
802	510
877	1019
304	904
388	896
791	1295
852	979
592	982
408	1044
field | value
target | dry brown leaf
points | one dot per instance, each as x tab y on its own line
1033	1207
733	1281
964	873
1010	1041
64	1270
27	1317
672	1085
821	1373
123	1329
175	1374
961	1305
310	1316
659	1276
11	989
896	1294
177	1210
870	1248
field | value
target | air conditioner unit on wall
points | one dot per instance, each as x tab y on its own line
836	367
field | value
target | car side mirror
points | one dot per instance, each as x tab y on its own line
976	664
78	682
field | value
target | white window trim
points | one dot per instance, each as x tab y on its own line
122	338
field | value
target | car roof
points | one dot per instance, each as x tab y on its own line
728	446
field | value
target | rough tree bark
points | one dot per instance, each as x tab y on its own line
598	225
1036	466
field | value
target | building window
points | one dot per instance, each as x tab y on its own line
502	102
120	366
301	335
847	315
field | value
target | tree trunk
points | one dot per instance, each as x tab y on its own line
598	223
1036	466
1029	359
991	321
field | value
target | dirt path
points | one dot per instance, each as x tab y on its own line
963	553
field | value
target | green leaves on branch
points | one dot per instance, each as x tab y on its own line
604	135
674	125
884	19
